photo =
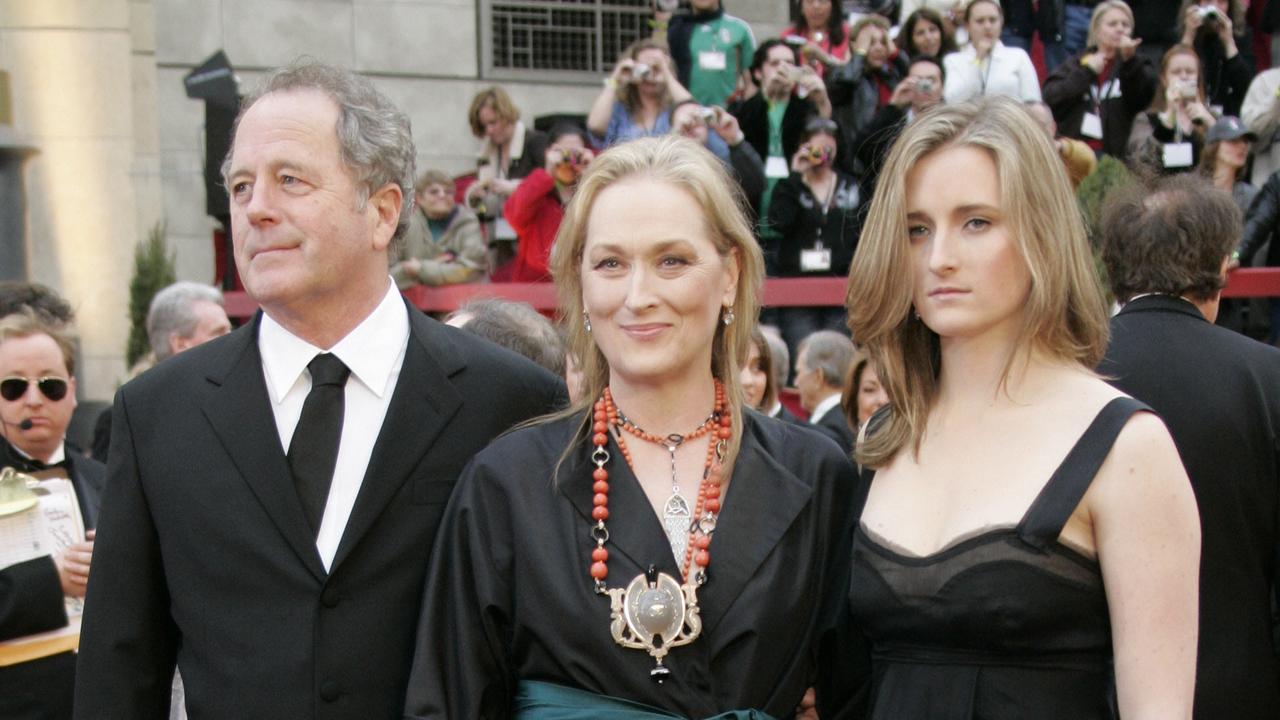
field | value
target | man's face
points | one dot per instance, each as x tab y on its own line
211	322
928	85
299	231
33	358
809	383
778	68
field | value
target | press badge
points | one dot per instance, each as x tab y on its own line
711	60
1177	155
1091	126
815	260
776	167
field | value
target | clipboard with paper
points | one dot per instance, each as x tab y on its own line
39	515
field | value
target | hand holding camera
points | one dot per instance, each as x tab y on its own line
810	157
566	165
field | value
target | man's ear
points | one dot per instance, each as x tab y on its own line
385	203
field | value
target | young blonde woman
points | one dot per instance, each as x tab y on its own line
1030	544
654	551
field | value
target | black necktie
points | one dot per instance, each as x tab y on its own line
314	449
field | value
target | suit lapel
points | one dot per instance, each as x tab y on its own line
634	529
422	404
763	500
239	410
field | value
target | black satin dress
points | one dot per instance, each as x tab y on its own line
1008	623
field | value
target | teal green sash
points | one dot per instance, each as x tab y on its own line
546	701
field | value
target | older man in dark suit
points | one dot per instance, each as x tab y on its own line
273	495
1166	250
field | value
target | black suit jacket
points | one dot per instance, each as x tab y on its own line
1219	394
204	557
836	427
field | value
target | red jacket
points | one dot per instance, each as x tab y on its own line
535	212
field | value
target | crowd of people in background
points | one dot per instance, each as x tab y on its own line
804	120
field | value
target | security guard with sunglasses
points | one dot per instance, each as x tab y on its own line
39	594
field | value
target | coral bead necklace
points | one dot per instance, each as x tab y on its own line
655	612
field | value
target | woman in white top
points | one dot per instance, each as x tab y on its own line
987	66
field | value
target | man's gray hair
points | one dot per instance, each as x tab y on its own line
517	327
373	134
830	352
173	313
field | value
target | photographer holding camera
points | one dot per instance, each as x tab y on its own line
920	90
637	97
717	130
536	208
1210	26
1168	137
816	213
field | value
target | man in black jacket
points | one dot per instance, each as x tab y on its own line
37	398
1166	251
273	494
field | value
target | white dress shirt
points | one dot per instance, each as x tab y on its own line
374	352
821	408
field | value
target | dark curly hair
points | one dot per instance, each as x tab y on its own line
1168	235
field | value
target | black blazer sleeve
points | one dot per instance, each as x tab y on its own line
1137	83
134	674
30	599
748	168
1260	221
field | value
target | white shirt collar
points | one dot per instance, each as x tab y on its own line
821	408
776	409
59	453
370	350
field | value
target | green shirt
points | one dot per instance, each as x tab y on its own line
776	111
720	50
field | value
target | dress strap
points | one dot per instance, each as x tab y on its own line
1044	520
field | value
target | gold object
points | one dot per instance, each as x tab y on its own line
17	492
655	613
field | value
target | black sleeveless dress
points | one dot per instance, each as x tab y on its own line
1006	624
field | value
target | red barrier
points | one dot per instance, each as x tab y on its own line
778	292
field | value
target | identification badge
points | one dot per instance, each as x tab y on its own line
816	260
712	60
1091	126
1177	155
776	167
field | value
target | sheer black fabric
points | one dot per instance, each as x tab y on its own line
1005	623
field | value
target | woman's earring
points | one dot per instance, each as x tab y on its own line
586	321
728	316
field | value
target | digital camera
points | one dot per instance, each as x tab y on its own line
641	71
925	86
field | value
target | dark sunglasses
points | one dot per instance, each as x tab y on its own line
13	388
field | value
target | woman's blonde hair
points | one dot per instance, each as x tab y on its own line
686	165
1096	18
499	100
1065	314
